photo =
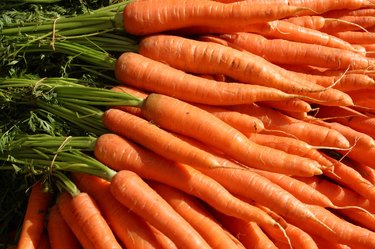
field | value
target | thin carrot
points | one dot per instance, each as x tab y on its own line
129	189
296	105
274	120
219	59
167	145
128	156
33	221
344	232
82	211
144	73
185	119
59	233
350	12
190	208
141	18
281	51
127	226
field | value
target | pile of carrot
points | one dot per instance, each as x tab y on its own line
255	128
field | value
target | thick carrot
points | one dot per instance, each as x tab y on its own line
142	18
128	156
33	221
82	211
144	73
356	37
59	233
188	54
145	133
194	212
133	192
343	232
127	226
302	130
185	119
281	51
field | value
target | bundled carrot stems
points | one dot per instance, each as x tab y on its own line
132	115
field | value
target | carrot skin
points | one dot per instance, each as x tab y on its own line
33	222
128	188
86	221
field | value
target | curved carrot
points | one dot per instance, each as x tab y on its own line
167	145
128	156
144	73
33	221
141	17
129	189
82	211
128	227
59	233
183	118
189	208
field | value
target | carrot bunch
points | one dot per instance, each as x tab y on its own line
251	127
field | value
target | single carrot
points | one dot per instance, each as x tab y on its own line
33	221
145	132
144	73
127	226
128	156
356	37
141	18
130	189
194	212
296	105
86	221
281	51
185	119
274	120
59	233
176	51
344	232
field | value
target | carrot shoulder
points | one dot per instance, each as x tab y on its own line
33	222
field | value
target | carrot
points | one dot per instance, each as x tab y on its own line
296	105
144	73
281	51
344	232
350	12
141	18
44	241
167	145
365	170
185	119
86	221
129	156
328	244
356	37
59	233
129	189
133	91
176	51
248	233
128	227
163	240
189	208
274	120
33	221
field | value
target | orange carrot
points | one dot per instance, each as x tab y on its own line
129	189
356	37
343	232
163	240
59	233
189	208
328	244
86	221
141	18
144	73
296	105
274	120
219	59
248	233
128	156
33	221
133	91
281	51
185	119
127	226
167	145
